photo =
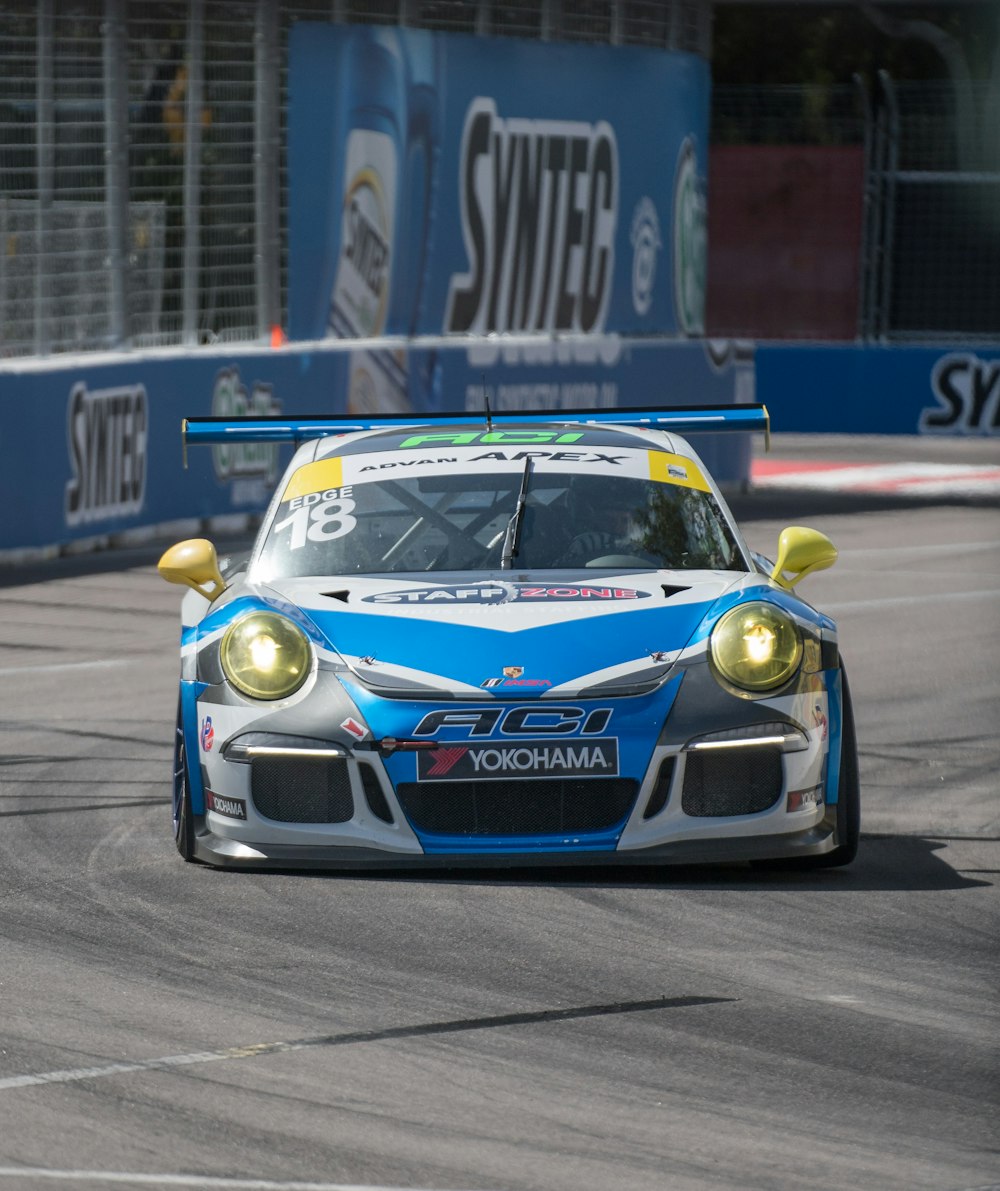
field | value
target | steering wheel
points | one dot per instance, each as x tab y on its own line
624	560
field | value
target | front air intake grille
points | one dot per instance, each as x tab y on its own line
302	790
377	802
553	806
661	791
738	781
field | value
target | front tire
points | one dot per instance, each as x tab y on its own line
183	815
848	790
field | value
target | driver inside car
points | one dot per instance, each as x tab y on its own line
607	526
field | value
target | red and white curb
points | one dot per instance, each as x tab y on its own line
901	479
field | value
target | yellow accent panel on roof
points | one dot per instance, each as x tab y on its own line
675	469
315	477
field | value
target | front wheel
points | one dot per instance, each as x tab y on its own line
183	815
848	790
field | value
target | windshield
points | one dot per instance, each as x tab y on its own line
459	519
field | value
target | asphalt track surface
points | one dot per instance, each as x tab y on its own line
167	1025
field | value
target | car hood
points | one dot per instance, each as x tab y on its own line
532	636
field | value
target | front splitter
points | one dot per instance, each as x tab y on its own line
225	853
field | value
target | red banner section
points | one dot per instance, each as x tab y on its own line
784	241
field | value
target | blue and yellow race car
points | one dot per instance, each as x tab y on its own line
535	639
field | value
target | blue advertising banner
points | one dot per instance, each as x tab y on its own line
844	389
449	184
94	449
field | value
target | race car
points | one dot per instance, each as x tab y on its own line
507	640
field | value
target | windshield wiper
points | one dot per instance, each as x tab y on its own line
512	535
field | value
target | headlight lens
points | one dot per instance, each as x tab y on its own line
756	646
265	656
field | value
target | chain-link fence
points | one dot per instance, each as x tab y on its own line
788	115
932	269
785	210
846	212
143	193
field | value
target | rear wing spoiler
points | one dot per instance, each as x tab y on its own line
683	419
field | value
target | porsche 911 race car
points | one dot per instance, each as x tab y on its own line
519	640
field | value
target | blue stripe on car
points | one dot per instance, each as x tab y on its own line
557	653
450	845
222	617
190	692
763	593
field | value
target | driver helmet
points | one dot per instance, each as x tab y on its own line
606	506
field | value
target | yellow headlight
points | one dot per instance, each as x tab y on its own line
265	656
756	646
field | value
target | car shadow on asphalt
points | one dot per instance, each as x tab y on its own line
885	863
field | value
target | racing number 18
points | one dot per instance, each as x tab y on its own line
318	523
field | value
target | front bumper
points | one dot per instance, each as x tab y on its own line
221	852
378	812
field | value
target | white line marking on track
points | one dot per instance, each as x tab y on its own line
183	1180
934	549
76	1074
55	667
412	1031
890	602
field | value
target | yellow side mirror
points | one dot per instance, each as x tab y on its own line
195	563
800	552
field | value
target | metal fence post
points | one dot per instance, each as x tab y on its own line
192	170
116	164
45	140
866	264
617	23
876	219
266	166
891	162
483	18
673	25
550	19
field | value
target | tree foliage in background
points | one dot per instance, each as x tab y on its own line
821	49
813	44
